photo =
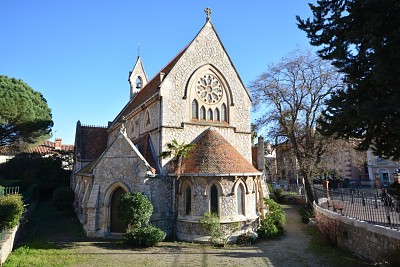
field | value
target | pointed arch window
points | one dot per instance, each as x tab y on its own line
216	114
240	199
188	200
202	113
195	109
223	113
214	199
210	114
139	83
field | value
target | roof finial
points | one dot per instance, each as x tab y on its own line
208	13
138	50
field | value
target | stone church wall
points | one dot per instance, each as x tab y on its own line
121	166
188	227
205	50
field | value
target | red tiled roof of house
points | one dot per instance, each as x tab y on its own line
48	147
149	90
214	155
91	141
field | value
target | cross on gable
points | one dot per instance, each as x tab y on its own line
208	13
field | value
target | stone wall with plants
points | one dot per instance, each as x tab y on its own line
371	242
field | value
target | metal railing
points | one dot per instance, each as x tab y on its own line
370	206
9	190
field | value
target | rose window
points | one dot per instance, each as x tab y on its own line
209	89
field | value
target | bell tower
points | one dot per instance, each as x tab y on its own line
137	78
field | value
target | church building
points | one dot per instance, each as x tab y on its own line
198	98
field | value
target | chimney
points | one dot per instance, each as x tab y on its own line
58	144
260	154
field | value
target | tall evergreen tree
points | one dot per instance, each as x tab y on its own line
25	117
362	39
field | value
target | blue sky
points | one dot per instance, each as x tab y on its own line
78	53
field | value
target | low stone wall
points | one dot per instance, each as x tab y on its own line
375	243
12	237
6	245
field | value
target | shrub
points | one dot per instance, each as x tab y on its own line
306	212
278	194
219	234
11	209
135	209
63	198
145	236
246	239
271	224
211	224
270	189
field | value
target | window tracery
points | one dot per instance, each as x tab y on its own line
209	89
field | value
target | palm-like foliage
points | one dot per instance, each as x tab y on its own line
178	151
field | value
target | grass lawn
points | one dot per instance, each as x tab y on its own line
48	233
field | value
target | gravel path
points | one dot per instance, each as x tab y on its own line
293	249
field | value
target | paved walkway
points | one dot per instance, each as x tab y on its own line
295	248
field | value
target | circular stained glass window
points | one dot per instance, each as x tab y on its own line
209	89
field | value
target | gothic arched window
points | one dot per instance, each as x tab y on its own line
214	199
216	114
188	200
240	199
195	109
202	113
223	113
210	114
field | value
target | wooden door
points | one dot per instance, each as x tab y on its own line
116	225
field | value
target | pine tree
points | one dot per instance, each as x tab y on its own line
25	117
362	40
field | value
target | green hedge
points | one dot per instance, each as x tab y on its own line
63	198
145	237
272	224
11	209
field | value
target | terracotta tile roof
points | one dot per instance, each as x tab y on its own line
148	91
91	141
143	144
48	147
214	155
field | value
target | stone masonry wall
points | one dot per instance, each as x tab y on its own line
188	228
123	166
206	49
368	241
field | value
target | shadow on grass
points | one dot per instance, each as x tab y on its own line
48	228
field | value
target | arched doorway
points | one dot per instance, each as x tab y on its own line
116	225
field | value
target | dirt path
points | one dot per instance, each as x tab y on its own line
293	249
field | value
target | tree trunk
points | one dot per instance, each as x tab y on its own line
176	192
309	187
